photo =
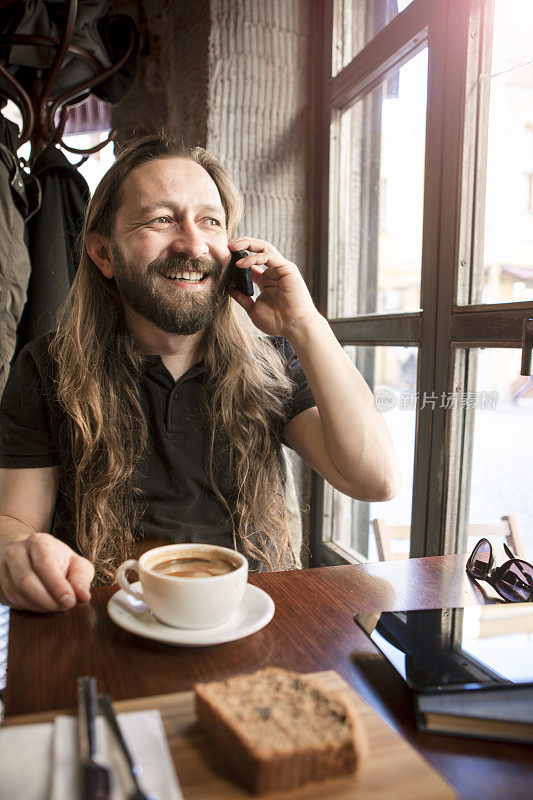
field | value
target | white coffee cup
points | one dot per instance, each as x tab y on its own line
188	602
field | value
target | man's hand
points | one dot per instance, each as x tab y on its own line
284	302
41	573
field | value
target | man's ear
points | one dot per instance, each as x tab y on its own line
99	251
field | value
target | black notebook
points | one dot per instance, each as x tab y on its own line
471	669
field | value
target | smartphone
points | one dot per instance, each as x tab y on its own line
240	279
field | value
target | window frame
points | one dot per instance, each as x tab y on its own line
456	122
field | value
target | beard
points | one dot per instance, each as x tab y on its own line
170	308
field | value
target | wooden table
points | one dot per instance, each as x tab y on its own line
312	630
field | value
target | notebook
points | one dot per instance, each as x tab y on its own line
470	669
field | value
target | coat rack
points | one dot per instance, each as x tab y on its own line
44	119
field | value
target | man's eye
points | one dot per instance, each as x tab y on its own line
212	221
162	220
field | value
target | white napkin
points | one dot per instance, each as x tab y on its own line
25	752
40	762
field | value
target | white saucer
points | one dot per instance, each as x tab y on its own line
255	611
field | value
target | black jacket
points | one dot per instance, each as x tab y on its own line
53	233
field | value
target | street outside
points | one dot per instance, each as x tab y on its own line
501	482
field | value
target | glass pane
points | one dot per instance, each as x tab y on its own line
391	374
376	202
500	405
356	22
507	246
4	635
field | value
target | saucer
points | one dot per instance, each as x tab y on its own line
255	611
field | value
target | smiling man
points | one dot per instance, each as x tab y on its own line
180	291
158	408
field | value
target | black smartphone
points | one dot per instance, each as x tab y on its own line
240	279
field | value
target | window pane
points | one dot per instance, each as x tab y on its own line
507	246
376	202
391	374
356	22
501	410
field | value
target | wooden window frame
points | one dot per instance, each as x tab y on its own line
451	318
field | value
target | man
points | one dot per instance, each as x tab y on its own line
159	406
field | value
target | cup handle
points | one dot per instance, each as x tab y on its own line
123	581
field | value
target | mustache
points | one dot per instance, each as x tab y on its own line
180	261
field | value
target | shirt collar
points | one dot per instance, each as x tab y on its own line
153	364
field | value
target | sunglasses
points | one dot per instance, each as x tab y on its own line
513	580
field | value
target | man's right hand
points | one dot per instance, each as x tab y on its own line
41	573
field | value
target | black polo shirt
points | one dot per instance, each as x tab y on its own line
179	504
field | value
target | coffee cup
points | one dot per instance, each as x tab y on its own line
191	586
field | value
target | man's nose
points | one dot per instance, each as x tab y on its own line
190	239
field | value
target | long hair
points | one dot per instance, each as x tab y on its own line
98	370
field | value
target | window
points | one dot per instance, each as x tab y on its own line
528	159
529	191
423	261
356	22
377	186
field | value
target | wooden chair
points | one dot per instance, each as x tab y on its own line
506	530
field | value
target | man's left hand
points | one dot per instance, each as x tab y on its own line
284	303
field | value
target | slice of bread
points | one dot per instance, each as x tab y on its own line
278	731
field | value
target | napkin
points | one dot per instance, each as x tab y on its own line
40	762
25	752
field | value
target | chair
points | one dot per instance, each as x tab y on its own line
497	532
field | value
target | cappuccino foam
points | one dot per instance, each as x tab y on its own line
194	567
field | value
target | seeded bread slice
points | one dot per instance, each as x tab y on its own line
277	730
